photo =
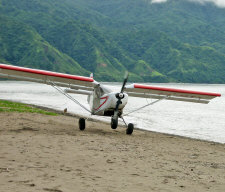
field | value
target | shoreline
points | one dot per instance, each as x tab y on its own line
60	112
107	123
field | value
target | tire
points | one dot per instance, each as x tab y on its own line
114	123
81	124
130	129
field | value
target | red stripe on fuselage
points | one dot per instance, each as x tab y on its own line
48	73
106	98
175	90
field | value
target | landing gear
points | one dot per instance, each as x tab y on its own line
81	124
114	123
130	126
130	129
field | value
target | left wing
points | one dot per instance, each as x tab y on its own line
146	91
46	77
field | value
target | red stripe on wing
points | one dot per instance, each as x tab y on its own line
175	90
48	73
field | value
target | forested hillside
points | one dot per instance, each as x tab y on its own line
23	46
176	41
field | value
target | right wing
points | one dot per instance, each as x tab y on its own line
146	91
47	77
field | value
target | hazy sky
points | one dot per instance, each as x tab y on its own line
219	3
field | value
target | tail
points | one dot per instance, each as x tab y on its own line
91	75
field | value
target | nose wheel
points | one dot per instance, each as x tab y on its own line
114	123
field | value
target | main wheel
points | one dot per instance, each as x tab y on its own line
81	124
130	129
114	123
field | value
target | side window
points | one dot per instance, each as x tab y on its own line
88	98
101	91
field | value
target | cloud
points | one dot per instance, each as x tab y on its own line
219	3
159	1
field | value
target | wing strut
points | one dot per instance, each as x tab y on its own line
152	103
68	96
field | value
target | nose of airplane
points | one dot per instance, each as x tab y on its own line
119	95
123	100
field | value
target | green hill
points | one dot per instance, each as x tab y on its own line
188	22
23	46
177	61
177	41
90	49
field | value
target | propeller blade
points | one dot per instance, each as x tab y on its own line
125	81
120	98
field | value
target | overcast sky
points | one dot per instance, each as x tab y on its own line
219	3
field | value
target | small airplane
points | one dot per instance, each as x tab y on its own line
102	100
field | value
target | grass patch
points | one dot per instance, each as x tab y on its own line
8	106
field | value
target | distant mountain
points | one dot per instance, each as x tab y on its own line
21	45
179	40
177	61
90	49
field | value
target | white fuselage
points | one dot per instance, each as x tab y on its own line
103	101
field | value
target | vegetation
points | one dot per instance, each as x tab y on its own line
7	106
21	45
177	41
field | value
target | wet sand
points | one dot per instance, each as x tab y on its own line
49	153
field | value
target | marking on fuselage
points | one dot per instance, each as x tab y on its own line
106	98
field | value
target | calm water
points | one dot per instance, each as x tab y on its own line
199	121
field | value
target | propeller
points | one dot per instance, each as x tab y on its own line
119	96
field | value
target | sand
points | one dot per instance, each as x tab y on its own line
50	153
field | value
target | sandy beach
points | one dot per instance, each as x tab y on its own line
49	153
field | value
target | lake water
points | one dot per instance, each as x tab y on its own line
201	121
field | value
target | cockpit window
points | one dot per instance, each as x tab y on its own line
101	90
105	89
